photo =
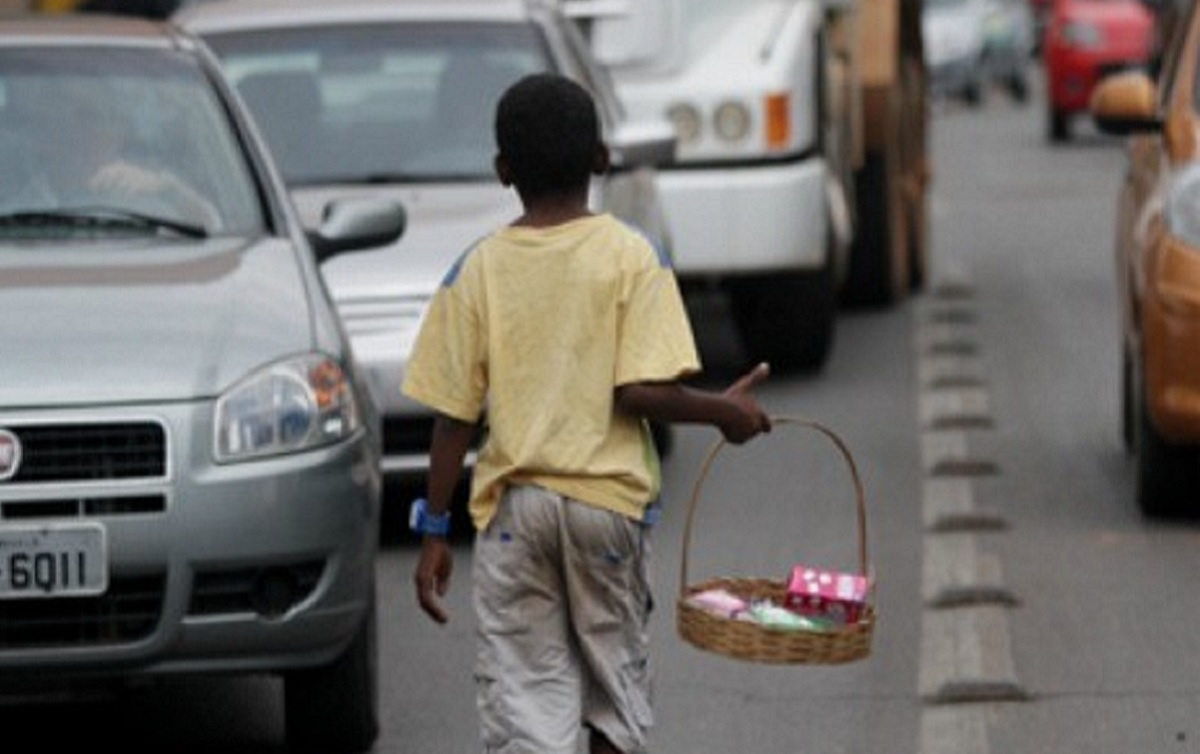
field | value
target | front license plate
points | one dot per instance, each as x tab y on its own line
61	560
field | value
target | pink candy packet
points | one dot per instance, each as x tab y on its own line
719	602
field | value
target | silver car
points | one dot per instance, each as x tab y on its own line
394	98
189	461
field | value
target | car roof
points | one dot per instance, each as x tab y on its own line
88	29
242	14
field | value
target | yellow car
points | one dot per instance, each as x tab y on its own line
1158	267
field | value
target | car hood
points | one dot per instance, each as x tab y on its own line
135	322
443	221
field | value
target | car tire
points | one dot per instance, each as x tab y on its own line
1059	125
1166	473
334	709
973	93
1018	87
786	319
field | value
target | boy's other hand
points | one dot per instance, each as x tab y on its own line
750	419
432	578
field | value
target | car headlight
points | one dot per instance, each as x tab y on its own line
732	121
287	407
686	120
1182	210
1082	34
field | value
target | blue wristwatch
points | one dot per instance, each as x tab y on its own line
422	521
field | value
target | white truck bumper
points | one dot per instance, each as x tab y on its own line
751	219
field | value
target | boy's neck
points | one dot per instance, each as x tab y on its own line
546	212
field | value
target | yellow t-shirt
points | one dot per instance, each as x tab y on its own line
538	326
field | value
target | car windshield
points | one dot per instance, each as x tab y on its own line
380	103
104	141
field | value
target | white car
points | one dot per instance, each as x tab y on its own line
953	31
395	98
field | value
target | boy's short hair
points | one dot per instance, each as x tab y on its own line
548	131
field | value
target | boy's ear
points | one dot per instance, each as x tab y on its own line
601	160
503	171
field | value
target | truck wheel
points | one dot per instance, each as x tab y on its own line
335	709
879	271
786	319
1166	473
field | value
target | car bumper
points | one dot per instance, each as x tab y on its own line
260	566
1171	341
747	219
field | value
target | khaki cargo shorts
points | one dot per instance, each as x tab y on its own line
562	597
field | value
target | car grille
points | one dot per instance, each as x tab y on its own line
33	510
126	613
90	452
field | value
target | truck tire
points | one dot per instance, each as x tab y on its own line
786	319
335	709
879	272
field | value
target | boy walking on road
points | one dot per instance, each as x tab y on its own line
568	330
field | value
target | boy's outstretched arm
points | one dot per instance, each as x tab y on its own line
447	451
735	411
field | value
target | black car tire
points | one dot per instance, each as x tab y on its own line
1059	125
335	709
1166	473
1018	87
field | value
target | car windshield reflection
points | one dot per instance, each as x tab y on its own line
100	141
411	102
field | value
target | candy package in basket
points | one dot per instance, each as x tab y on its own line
829	595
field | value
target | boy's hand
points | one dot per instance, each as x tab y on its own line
433	576
750	419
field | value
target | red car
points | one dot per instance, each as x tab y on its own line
1083	41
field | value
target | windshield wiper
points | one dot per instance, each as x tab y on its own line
103	217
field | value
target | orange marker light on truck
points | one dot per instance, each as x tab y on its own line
779	121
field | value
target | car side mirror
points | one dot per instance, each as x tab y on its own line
355	224
643	144
1126	103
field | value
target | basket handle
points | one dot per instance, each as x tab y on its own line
863	560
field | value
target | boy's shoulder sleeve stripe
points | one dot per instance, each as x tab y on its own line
456	268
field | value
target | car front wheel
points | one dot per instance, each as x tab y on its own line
1166	473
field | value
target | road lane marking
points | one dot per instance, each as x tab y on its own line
965	654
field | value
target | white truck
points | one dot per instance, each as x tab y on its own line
799	179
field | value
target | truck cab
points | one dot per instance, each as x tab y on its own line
756	199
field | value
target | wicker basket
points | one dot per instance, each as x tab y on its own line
752	642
